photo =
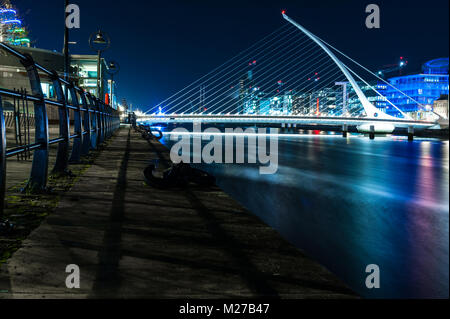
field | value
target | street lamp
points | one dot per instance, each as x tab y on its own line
99	41
113	69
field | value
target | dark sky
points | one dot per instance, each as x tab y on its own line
162	46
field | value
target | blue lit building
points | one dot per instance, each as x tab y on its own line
424	88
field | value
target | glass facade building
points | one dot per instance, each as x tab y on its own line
424	88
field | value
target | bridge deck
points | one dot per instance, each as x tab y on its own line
131	241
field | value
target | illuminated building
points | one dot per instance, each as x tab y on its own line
324	101
13	74
260	103
440	106
12	30
84	70
353	104
424	88
245	91
301	103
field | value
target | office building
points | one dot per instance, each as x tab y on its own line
423	89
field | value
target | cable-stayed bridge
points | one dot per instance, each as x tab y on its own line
290	77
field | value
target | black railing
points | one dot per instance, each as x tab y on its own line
93	122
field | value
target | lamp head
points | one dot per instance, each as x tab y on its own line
99	38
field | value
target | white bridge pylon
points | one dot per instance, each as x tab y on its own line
369	108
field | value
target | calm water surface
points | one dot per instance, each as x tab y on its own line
353	202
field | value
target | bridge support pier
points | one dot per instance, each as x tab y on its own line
372	132
344	130
410	133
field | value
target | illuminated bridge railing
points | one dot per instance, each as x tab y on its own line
92	123
280	119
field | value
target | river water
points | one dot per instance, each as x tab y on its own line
353	202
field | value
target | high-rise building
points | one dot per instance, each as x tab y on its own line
353	105
245	91
301	103
325	102
12	30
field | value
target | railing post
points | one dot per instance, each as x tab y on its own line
108	122
93	123
110	114
62	156
101	126
86	126
104	121
78	141
2	159
39	168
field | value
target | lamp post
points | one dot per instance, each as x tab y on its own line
99	42
113	69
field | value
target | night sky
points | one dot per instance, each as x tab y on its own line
162	46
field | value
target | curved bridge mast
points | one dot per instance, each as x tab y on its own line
369	108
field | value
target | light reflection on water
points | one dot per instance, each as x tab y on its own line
353	202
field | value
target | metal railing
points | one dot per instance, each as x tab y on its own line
93	123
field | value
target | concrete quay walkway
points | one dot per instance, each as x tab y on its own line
133	241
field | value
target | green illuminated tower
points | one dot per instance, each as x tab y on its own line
12	31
